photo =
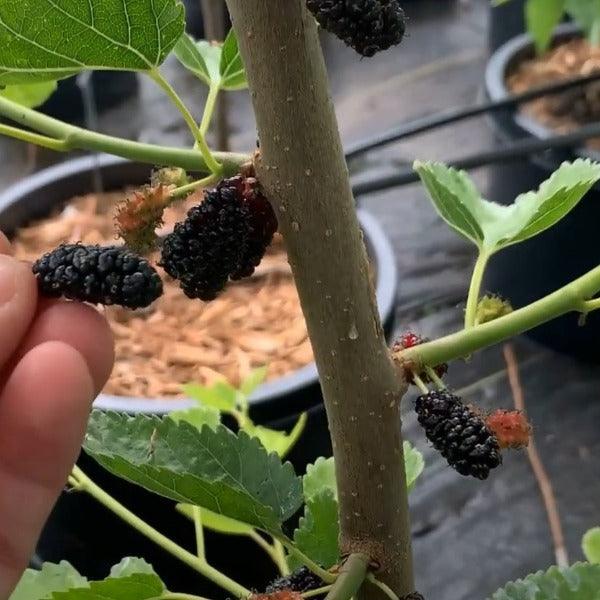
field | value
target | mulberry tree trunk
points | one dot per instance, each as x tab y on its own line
303	172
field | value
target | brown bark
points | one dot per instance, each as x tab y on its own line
303	171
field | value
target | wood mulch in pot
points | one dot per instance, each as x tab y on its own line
573	108
254	322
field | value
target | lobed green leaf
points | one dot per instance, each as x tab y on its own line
318	531
37	585
578	582
229	474
231	68
217	65
493	226
45	40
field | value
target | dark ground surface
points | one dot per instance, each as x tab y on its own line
469	537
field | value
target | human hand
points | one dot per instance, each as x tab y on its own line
54	359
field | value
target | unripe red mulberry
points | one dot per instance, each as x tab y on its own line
511	428
224	237
409	340
368	26
97	274
459	433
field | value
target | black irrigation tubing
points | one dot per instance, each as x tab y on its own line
453	115
506	153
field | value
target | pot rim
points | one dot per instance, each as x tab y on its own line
377	241
495	83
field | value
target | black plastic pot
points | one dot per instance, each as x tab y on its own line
81	531
505	22
528	271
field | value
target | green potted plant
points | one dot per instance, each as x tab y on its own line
353	536
547	53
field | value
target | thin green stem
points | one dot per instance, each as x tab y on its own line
199	530
386	589
317	592
475	289
32	138
576	296
350	579
211	163
63	137
420	383
435	378
187	189
280	558
326	576
271	550
85	484
209	108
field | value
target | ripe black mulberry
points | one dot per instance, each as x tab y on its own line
98	274
302	580
368	26
224	237
458	433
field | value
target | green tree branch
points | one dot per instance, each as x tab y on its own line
573	297
64	137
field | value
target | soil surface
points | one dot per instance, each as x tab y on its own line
573	108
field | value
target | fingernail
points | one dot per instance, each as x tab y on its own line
8	280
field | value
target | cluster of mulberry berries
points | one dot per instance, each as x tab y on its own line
97	274
302	580
225	237
368	26
460	434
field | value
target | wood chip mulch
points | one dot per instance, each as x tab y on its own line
573	108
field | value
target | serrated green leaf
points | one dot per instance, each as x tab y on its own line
29	94
578	582
318	531
199	57
216	522
250	383
220	396
233	73
534	212
130	566
229	474
42	40
37	585
454	196
542	17
280	442
138	586
198	416
493	226
319	476
591	545
413	465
